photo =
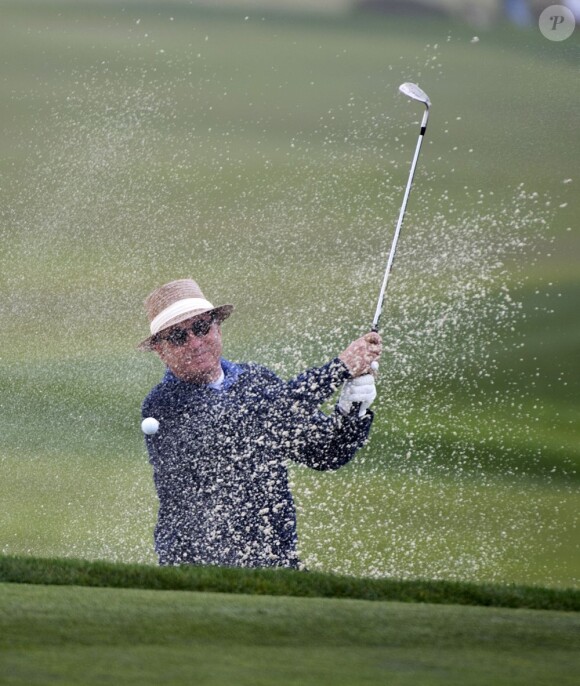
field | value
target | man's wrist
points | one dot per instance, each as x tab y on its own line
341	369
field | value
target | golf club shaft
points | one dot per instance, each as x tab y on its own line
378	311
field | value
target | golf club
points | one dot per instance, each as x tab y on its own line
413	91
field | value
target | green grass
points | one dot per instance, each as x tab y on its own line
70	635
280	582
267	159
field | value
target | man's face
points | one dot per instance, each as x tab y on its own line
197	359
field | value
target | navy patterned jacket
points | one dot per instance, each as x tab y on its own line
219	461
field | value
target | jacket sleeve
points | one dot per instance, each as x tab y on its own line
315	386
324	442
166	446
307	435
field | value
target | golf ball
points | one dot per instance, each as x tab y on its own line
374	366
150	426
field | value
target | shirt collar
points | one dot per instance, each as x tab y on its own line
218	383
230	373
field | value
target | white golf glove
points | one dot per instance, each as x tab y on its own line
360	390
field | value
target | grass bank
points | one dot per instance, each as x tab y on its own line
280	582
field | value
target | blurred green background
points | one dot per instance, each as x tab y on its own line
265	154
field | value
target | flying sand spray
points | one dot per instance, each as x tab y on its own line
150	425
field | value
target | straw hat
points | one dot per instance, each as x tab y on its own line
175	302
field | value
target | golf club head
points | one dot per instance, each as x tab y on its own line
412	90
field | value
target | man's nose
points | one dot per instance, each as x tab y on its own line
194	341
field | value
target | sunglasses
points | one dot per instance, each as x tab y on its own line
178	337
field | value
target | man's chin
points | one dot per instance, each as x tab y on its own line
199	376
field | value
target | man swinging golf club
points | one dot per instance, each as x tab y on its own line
219	435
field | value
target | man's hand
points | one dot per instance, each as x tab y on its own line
360	391
361	353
